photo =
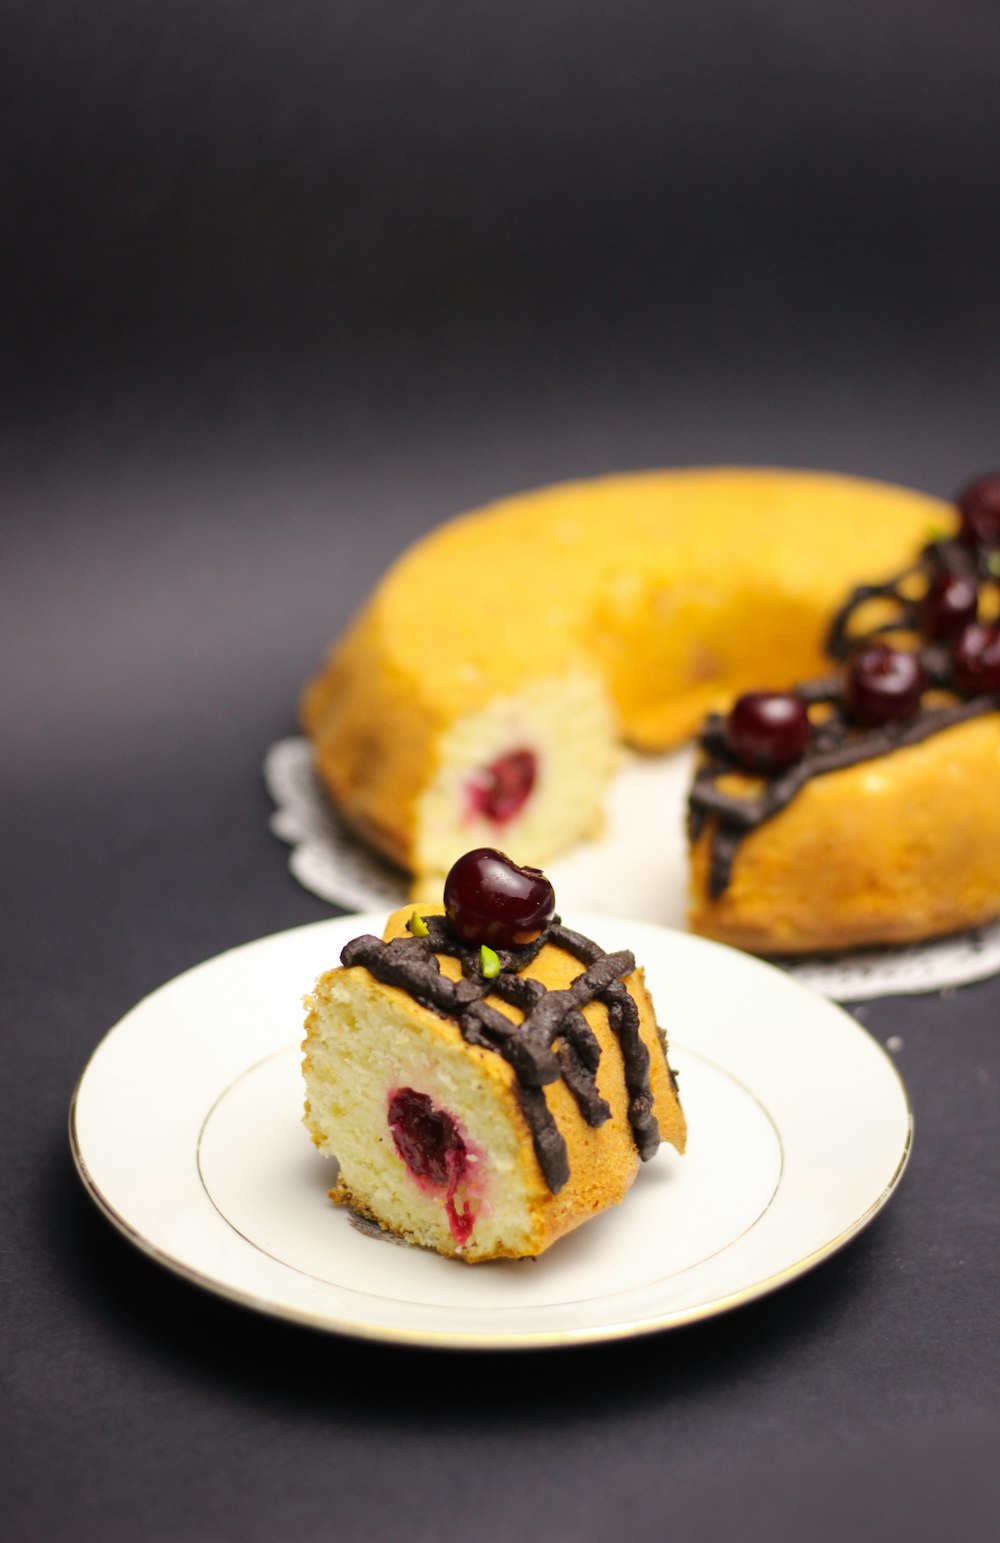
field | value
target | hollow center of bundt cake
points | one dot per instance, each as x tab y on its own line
499	791
428	1141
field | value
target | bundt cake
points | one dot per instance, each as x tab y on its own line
484	688
483	1098
863	808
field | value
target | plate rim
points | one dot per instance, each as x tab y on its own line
466	1339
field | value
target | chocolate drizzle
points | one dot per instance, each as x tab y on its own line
553	1040
835	743
904	591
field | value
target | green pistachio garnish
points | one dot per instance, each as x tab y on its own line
489	963
993	563
417	927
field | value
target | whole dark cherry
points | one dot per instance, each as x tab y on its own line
976	660
883	685
979	506
767	730
949	605
489	899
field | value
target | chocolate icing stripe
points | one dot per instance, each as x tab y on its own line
406	963
623	1019
574	942
577	1030
443	941
579	1079
546	1137
529	1047
547	1016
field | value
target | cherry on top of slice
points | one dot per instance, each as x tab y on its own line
489	899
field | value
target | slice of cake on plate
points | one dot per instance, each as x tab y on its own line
487	1078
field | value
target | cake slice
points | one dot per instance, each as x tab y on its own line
483	1101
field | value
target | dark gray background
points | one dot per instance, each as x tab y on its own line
282	290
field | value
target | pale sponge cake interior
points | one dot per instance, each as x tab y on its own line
372	1052
563	731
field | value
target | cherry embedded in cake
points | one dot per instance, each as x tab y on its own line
500	791
435	1153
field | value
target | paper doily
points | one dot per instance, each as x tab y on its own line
637	869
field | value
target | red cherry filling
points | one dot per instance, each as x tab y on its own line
883	685
767	730
950	603
500	790
428	1141
979	506
489	899
976	660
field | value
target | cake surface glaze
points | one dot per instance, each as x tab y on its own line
460	1120
539	633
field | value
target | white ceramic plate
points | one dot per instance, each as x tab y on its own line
186	1130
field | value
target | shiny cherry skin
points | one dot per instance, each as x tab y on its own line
949	605
976	661
767	730
489	899
883	685
979	506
